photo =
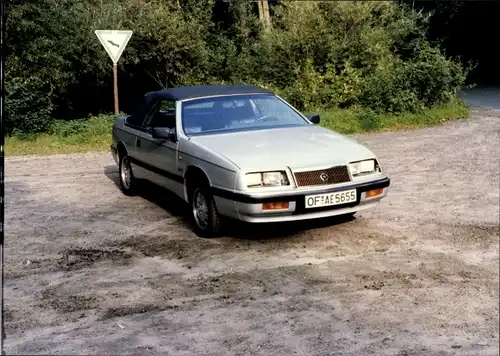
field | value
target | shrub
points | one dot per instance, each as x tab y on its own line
317	54
346	54
28	107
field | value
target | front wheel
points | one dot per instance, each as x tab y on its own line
128	183
204	213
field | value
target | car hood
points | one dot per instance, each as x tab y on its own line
295	147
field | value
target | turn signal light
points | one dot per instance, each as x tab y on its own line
275	205
374	193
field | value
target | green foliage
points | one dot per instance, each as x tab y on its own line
28	109
358	120
317	54
83	135
83	129
368	120
349	54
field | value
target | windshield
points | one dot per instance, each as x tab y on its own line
237	113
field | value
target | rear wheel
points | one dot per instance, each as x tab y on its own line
128	183
206	219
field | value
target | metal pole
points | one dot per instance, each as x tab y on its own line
115	80
2	169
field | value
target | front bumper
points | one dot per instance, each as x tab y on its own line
249	208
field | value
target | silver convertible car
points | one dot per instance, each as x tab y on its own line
245	153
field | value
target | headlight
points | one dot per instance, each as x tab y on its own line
363	167
266	179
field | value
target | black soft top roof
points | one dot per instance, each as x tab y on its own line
199	91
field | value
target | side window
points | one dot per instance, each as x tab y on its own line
134	120
137	118
162	114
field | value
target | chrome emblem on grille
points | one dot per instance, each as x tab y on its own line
323	176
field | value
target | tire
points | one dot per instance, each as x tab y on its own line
128	183
204	215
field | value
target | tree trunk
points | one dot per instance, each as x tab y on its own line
264	15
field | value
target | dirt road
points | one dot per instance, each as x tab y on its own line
90	271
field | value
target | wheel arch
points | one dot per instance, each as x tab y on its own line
194	174
121	149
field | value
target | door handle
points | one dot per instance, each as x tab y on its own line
138	143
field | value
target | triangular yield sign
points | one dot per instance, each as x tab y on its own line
114	42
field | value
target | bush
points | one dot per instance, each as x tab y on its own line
28	107
317	54
345	54
83	130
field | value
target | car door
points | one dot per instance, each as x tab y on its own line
159	156
133	125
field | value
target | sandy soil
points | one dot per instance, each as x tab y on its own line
90	271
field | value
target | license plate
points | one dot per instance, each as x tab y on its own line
336	198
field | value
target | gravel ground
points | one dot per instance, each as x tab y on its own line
90	271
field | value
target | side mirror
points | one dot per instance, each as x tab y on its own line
314	119
164	133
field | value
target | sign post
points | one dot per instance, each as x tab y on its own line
2	171
114	42
115	86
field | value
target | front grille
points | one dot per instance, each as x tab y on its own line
327	176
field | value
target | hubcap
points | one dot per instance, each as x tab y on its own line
126	173
200	209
